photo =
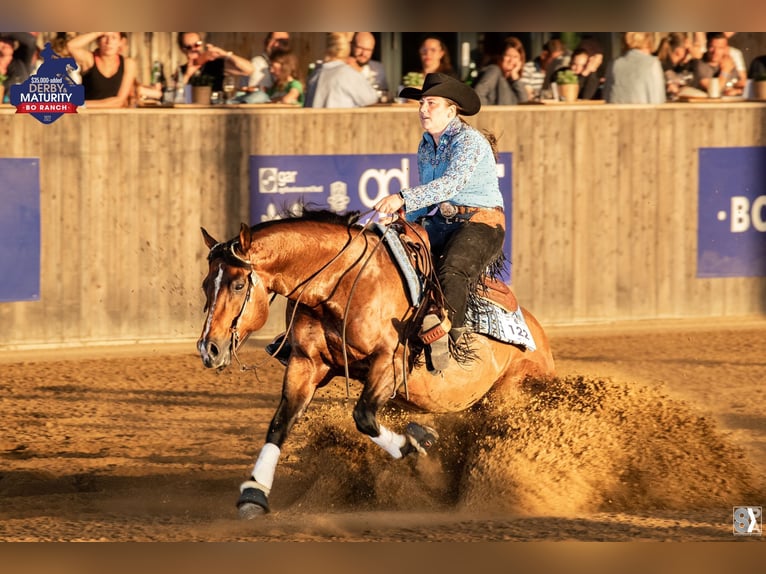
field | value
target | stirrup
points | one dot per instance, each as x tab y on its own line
434	333
280	344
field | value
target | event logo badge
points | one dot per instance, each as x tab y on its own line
50	92
747	520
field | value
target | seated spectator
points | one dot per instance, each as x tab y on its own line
587	75
434	58
718	66
107	76
16	53
757	69
362	47
636	76
209	60
736	55
675	57
335	84
260	78
500	83
286	88
535	71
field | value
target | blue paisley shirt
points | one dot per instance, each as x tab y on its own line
461	170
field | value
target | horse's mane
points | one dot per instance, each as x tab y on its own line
310	213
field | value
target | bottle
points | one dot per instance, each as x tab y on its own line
471	75
158	77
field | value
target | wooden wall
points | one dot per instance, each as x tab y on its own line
604	208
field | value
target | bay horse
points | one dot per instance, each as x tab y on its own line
348	314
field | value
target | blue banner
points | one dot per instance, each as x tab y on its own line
342	183
731	235
19	229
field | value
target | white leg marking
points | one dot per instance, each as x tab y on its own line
265	466
390	441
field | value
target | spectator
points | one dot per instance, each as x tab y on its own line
736	55
588	80
435	58
335	84
757	70
260	78
675	57
500	83
718	66
535	71
636	76
17	51
457	200
362	47
211	61
107	76
286	88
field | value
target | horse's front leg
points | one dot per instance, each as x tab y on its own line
378	389
301	380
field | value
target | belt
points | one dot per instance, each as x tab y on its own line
448	210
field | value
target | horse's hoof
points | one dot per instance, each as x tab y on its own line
252	503
249	511
421	439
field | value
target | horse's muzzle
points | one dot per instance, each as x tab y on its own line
215	354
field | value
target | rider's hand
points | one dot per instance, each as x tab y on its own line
389	204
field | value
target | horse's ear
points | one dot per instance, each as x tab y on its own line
209	241
245	238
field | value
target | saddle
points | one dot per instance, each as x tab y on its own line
501	318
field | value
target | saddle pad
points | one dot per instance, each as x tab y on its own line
506	326
391	238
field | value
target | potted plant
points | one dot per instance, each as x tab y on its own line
3	77
202	88
568	85
759	87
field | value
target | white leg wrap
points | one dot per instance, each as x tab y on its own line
265	466
389	441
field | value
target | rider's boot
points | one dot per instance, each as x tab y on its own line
434	333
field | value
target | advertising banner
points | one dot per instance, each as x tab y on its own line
731	236
342	183
19	229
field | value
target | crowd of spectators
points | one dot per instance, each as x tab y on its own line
696	64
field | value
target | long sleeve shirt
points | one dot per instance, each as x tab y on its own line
461	170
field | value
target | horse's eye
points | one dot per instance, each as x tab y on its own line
238	286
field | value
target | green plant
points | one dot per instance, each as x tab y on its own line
201	80
413	79
566	77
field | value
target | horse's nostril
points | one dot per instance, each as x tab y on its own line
212	350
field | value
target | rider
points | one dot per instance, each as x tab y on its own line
458	201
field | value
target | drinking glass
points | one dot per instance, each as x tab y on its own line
229	86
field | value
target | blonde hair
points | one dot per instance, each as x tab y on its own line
338	45
638	41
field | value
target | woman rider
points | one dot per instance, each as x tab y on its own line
458	201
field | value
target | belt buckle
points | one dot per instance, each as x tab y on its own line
447	210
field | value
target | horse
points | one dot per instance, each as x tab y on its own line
348	314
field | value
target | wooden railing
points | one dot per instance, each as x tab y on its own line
604	208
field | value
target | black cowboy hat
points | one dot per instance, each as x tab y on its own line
446	87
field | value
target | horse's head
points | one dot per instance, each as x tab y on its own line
236	298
